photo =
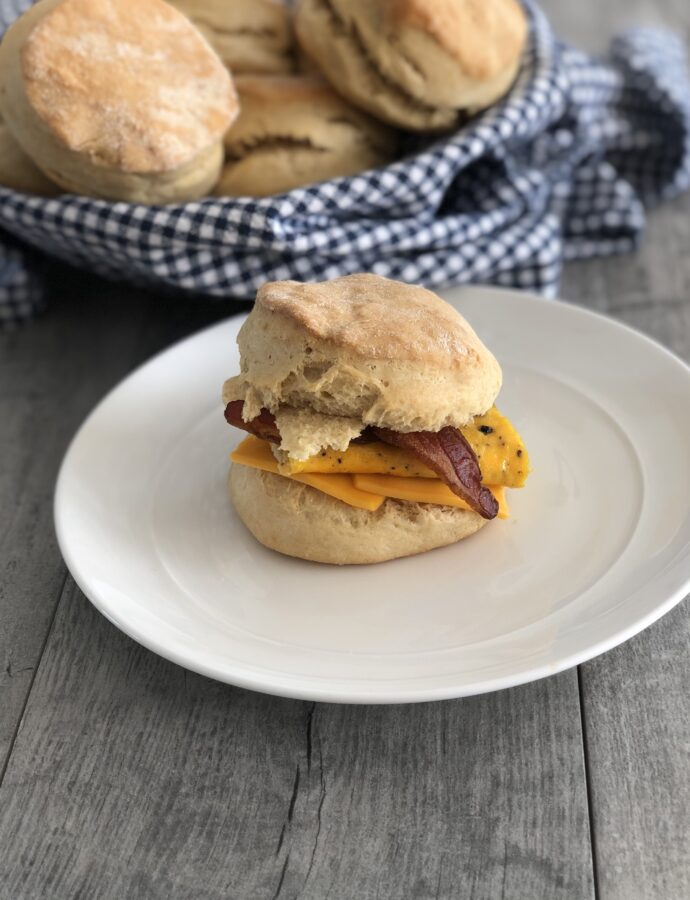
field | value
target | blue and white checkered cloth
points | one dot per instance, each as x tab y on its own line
561	169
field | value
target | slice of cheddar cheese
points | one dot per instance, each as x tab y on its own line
366	491
424	490
500	451
257	453
342	487
375	458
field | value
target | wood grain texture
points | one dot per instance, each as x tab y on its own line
636	701
46	389
51	373
637	715
133	778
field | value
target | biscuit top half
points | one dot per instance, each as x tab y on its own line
379	319
380	351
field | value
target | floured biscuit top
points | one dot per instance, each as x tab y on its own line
377	318
365	348
133	85
482	36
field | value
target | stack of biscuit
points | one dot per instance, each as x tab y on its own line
145	108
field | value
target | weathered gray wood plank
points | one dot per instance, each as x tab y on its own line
46	388
131	778
51	373
636	701
637	716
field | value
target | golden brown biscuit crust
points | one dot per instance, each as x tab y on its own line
296	130
139	93
415	63
18	172
484	36
387	353
336	48
298	520
379	319
249	35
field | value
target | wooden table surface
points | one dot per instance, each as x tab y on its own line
124	776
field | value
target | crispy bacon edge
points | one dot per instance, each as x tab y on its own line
446	452
263	426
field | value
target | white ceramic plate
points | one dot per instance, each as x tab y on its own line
598	546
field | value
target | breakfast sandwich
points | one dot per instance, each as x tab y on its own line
372	430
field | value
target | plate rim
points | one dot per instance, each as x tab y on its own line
263	679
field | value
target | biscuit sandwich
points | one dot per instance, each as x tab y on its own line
115	102
415	63
248	35
295	130
372	427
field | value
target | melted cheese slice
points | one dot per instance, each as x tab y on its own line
423	490
362	491
500	451
257	454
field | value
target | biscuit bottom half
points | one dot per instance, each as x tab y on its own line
300	521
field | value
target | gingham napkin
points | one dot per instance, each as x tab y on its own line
561	169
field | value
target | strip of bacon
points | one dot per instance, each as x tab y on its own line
263	426
451	457
446	452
